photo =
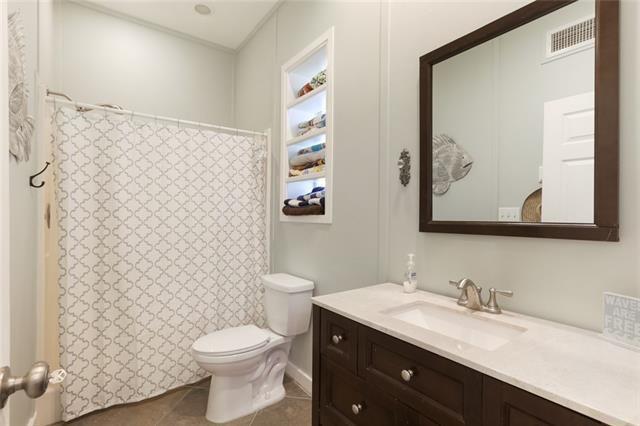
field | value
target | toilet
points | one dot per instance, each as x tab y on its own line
247	363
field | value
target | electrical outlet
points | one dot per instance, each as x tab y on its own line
509	214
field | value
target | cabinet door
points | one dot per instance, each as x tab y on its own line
506	405
342	391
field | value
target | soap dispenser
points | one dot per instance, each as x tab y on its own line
411	283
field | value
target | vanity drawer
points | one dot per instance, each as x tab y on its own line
445	392
341	390
339	340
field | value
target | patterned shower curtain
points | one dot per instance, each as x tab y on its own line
162	239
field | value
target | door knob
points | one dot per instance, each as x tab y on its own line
336	338
34	383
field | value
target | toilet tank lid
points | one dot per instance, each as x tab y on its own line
286	283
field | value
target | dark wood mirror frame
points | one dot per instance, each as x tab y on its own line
606	197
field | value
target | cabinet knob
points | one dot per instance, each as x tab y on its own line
336	338
357	408
407	374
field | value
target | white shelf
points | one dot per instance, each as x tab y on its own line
309	135
299	70
310	176
307	96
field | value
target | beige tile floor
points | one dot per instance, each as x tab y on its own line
186	407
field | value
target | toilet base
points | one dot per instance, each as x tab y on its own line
235	396
235	409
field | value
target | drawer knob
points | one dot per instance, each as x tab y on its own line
357	408
407	374
336	338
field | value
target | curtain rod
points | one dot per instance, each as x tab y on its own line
84	107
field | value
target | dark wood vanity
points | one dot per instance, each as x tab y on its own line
364	377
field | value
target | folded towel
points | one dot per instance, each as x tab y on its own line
309	165
303	203
311	157
303	211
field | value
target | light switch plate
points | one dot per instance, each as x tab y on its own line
621	321
509	214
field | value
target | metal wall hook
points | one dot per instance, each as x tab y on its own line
32	177
404	165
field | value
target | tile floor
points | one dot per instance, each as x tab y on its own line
186	407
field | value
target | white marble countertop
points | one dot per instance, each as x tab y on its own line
576	368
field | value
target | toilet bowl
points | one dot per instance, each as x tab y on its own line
247	363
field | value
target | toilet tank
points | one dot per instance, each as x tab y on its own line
287	303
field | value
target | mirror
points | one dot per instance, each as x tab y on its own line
509	118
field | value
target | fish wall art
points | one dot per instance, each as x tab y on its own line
450	163
21	123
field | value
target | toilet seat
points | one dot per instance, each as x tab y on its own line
232	341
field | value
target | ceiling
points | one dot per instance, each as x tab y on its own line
229	24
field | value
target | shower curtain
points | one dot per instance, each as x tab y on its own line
162	239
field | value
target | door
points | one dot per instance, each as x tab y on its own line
19	222
568	160
4	202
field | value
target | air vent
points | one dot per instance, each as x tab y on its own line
571	37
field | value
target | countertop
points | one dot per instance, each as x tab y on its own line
576	368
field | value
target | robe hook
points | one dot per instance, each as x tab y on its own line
32	177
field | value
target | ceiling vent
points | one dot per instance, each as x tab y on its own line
572	37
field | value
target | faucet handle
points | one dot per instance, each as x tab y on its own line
492	304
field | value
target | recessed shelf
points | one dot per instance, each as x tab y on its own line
307	96
310	176
298	71
309	135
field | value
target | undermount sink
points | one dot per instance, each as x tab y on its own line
464	327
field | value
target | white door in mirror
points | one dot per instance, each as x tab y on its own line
568	159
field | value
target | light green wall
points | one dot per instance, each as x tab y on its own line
560	280
342	255
376	116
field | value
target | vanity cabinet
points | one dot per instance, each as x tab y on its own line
362	376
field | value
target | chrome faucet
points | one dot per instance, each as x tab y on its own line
471	296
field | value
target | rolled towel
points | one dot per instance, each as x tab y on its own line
307	171
313	148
